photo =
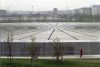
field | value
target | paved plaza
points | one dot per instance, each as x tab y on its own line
49	31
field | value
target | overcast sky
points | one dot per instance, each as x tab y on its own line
40	5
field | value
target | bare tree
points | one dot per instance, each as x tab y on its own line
33	49
9	45
58	49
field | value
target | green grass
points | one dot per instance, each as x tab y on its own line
51	63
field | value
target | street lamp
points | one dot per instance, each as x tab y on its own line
32	12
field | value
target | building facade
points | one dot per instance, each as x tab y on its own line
96	10
3	12
83	11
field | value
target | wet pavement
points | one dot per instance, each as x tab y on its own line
22	32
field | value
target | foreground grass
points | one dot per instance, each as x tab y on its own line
51	63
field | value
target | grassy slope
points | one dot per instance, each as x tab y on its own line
51	63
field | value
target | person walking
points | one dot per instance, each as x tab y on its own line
81	52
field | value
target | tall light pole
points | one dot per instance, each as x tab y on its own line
32	13
67	13
32	9
0	4
0	13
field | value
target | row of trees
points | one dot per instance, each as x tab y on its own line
57	47
86	18
50	18
32	48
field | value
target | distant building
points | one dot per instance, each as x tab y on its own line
70	12
55	14
83	11
55	11
3	12
96	10
86	11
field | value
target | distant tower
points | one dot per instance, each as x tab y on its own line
55	12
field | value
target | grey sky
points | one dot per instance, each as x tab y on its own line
26	5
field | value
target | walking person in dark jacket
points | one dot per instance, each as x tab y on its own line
81	52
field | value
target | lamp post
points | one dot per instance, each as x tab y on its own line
32	13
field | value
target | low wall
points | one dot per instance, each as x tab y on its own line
46	48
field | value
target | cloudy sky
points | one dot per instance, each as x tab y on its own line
26	5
